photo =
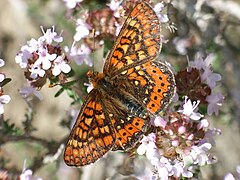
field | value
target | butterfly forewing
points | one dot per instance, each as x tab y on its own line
138	41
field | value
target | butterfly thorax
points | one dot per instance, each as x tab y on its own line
95	78
109	90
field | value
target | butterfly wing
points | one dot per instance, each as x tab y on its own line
128	127
138	41
151	83
92	135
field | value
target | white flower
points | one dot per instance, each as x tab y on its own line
4	99
72	3
148	146
28	175
2	77
50	35
198	155
2	62
188	109
187	174
89	86
36	71
181	45
114	4
198	63
60	66
45	58
118	28
177	169
160	122
204	64
203	124
82	30
33	45
167	168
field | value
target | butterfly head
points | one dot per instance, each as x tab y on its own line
94	77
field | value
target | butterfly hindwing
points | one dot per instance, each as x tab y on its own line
92	135
128	126
151	83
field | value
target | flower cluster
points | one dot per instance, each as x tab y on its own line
180	144
198	82
182	139
4	99
43	59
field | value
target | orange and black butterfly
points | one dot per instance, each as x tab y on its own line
133	87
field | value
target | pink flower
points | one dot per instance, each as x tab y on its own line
163	18
27	91
204	65
215	101
80	54
210	77
23	56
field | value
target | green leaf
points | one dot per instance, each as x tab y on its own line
60	91
7	128
5	81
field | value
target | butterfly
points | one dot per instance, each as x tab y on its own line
133	87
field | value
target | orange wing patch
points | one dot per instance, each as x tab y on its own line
129	132
152	83
138	40
92	135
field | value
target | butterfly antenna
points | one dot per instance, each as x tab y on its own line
94	46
